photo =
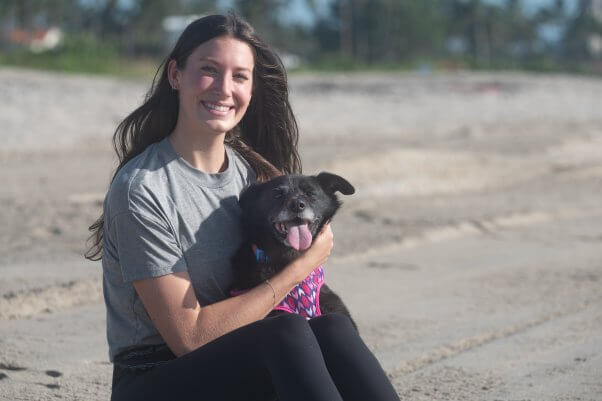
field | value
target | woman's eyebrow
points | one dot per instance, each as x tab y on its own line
213	61
205	58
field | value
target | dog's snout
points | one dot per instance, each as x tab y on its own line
297	205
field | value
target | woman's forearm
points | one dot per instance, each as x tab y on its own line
222	317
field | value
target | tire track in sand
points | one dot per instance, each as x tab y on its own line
31	302
488	226
450	350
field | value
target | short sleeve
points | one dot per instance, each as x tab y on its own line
145	246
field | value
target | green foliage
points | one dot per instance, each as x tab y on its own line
80	53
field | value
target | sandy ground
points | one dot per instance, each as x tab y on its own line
470	256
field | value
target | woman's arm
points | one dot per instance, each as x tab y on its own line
185	325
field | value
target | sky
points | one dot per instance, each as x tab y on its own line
533	5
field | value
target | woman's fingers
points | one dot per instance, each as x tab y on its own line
323	244
319	251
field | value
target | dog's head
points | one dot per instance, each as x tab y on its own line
288	211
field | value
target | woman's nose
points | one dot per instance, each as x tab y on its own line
223	84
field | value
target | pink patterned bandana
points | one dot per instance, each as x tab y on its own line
304	299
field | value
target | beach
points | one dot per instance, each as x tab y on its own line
470	255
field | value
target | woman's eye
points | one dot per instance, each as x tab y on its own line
241	77
208	68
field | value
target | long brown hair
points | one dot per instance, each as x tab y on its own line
267	135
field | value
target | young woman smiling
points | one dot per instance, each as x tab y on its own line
217	118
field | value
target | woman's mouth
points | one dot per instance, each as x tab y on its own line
217	109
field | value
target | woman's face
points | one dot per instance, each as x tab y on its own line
215	84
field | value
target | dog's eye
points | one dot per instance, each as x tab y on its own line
307	190
278	193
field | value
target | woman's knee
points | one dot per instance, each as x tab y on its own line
288	322
333	327
290	330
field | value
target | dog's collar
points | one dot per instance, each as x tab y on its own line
260	255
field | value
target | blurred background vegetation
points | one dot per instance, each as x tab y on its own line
130	37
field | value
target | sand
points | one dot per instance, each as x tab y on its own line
470	255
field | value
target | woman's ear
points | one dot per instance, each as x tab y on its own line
173	74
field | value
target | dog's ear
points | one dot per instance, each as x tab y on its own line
332	183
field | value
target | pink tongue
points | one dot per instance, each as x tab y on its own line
299	237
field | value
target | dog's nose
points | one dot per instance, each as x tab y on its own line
297	205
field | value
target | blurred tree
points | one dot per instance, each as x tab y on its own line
22	12
581	27
139	27
552	17
268	19
328	31
465	19
372	31
263	15
144	34
493	33
521	32
554	12
64	13
346	27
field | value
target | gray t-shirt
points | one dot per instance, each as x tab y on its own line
164	216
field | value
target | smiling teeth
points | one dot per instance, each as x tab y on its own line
217	107
281	227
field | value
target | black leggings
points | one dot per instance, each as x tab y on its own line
286	357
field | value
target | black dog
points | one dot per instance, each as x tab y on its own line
280	219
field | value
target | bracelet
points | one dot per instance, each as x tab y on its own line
273	292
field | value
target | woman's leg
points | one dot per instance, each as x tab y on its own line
279	353
354	369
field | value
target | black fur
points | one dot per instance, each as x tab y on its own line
285	198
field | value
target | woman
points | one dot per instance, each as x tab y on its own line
217	119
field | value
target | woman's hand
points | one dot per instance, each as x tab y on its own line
318	252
